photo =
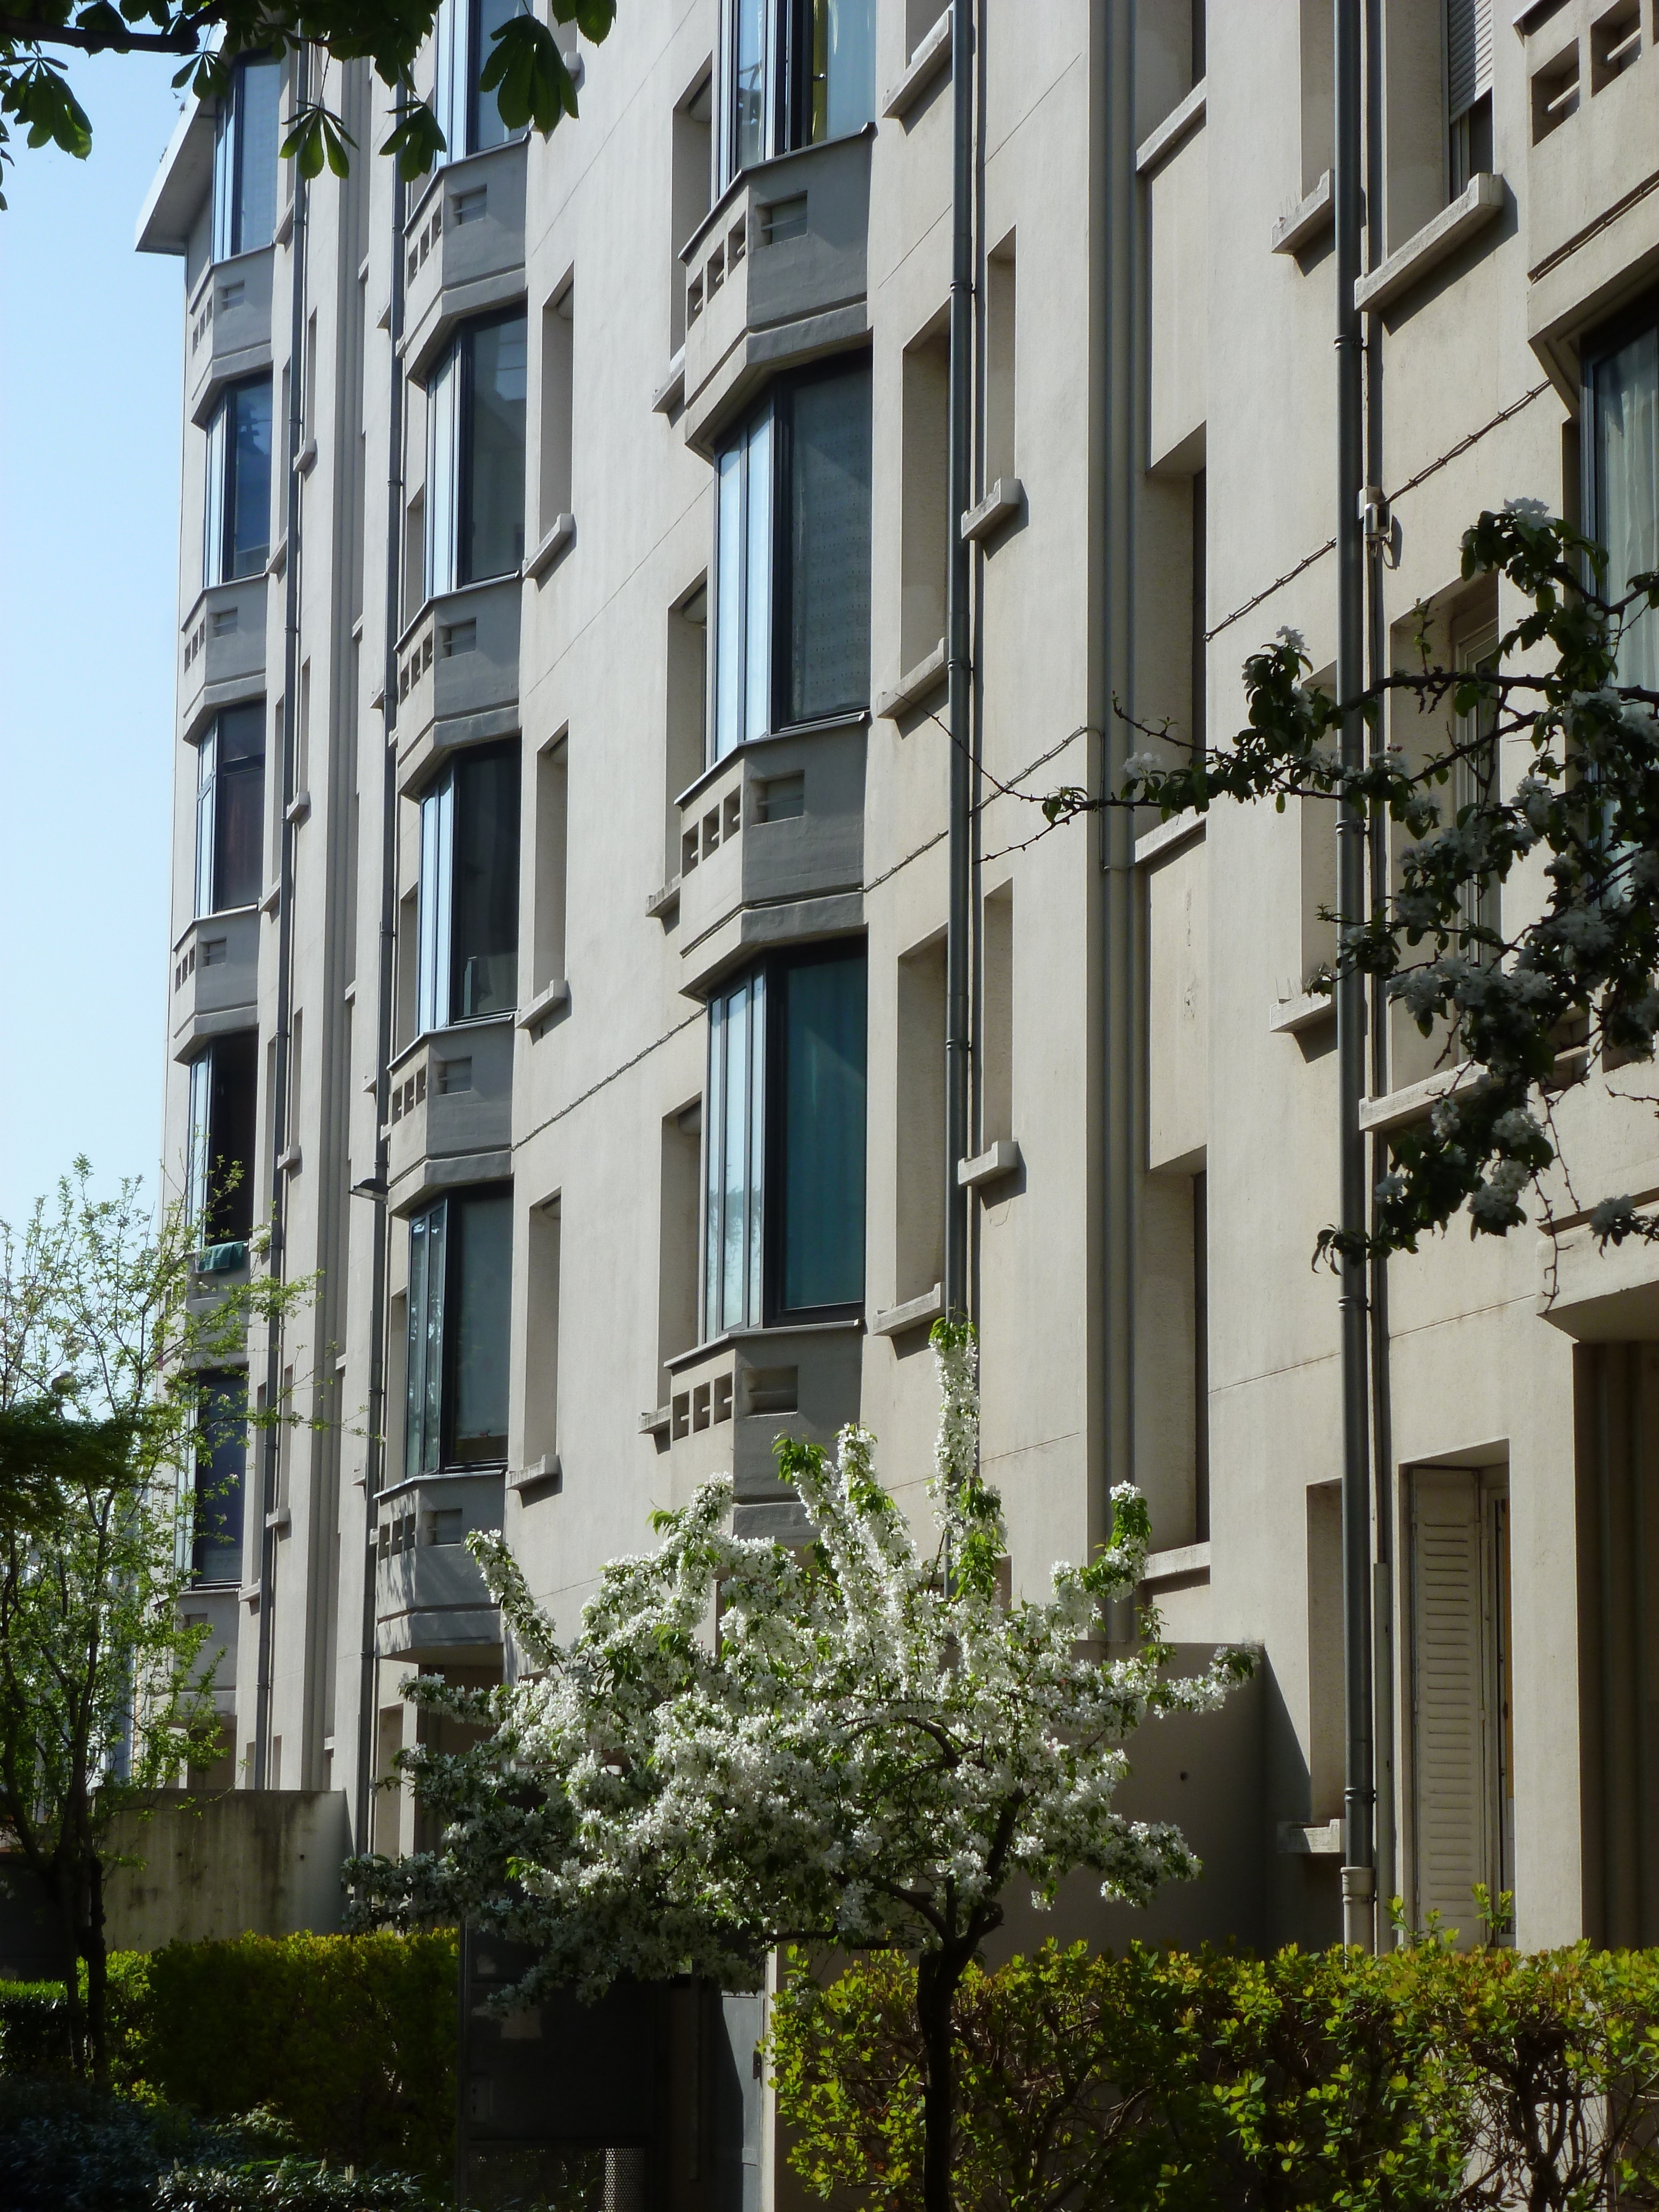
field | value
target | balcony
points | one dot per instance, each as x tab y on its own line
1592	123
221	650
457	675
772	844
216	978
230	333
429	1594
463	250
775	276
451	1099
733	1398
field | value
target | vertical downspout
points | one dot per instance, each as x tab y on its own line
1358	1795
956	973
376	1189
271	1434
1382	1617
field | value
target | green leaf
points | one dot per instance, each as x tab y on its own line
417	142
528	74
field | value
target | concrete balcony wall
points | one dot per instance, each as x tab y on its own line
230	332
776	275
732	1400
463	250
457	675
221	651
430	1595
451	1100
216	966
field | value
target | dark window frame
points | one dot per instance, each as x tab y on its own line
452	1204
226	221
231	490
453	776
212	865
221	1509
790	81
463	462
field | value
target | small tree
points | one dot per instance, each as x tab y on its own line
105	1693
862	1747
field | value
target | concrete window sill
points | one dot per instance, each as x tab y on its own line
1005	500
1167	837
1291	1016
914	685
1183	1563
1472	210
563	533
1308	220
671	390
663	903
931	60
547	1001
1178	124
892	1320
538	1474
1323	1839
298	807
657	1422
1002	1158
1397	1110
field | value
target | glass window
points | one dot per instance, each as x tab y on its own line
460	1290
792	559
785	1155
220	1479
463	33
798	72
230	783
1623	483
246	133
237	505
223	1119
468	891
476	457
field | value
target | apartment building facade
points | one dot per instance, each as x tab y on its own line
562	843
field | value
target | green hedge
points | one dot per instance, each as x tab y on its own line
33	2028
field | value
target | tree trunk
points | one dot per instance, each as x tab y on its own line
70	1921
937	1974
95	1952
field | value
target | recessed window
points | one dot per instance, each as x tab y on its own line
219	1164
476	455
468	891
463	35
219	1479
792	559
245	136
796	72
784	1158
236	533
230	791
460	1297
1622	467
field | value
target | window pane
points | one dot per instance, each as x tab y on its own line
728	602
239	807
493	534
206	760
426	1341
195	1155
488	129
483	1292
443	447
437	845
757	581
748	119
258	92
213	498
734	1243
224	180
821	1082
843	91
754	1310
449	49
233	1121
485	976
830	546
220	1475
1627	490
248	495
714	1171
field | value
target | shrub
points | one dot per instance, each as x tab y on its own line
34	2037
287	2184
64	2148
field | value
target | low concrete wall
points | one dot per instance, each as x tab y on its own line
251	1861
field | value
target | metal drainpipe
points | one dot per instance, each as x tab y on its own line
379	1355
271	1436
956	624
1358	1796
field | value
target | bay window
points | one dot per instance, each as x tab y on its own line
236	530
468	954
792	559
460	1297
220	1479
219	1160
230	788
798	72
246	131
1622	467
463	33
784	1154
475	455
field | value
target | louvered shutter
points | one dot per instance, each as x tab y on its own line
1468	54
1449	1739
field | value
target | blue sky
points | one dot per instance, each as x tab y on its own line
90	436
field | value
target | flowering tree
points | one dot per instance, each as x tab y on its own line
860	1748
1534	988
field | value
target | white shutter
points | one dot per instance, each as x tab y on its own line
1468	54
1449	1764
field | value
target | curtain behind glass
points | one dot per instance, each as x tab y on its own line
492	527
258	99
423	1425
237	807
481	1328
830	546
435	906
221	1474
1627	490
822	1029
247	497
484	978
843	89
